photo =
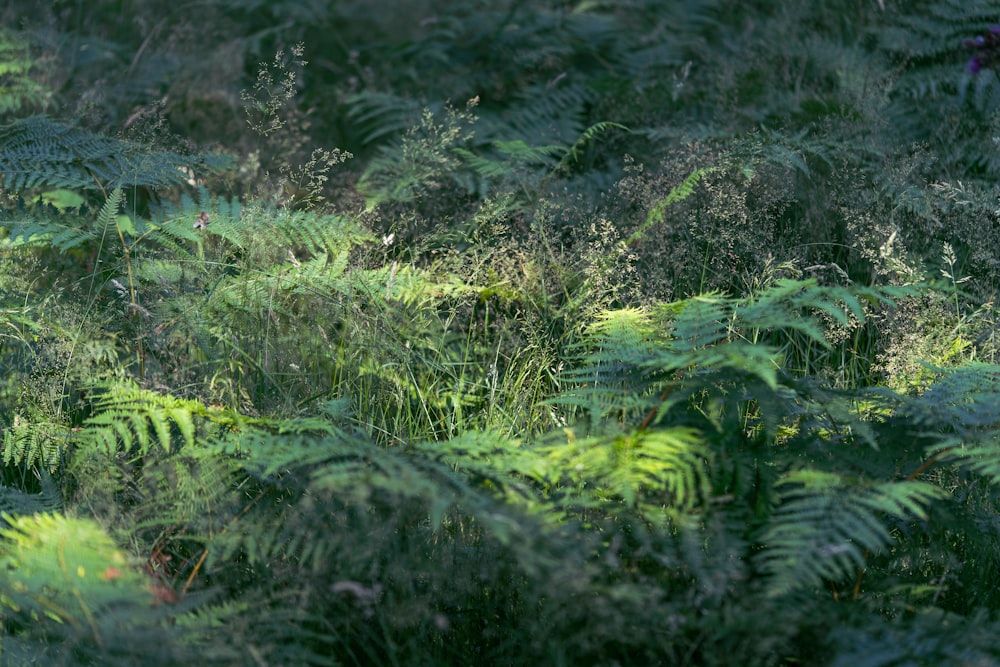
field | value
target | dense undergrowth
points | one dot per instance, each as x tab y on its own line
499	333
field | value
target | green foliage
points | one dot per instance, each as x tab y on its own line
34	443
677	194
40	152
70	591
427	154
824	526
83	570
929	46
18	88
956	414
675	345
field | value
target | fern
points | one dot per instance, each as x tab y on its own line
34	443
574	153
677	194
708	334
87	573
39	152
488	439
935	82
70	594
662	473
14	502
18	88
825	526
424	159
956	418
613	379
381	115
139	421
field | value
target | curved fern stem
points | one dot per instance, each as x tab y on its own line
927	464
652	411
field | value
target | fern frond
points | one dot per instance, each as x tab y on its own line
824	524
677	194
32	443
638	362
957	417
107	218
426	159
18	89
935	82
295	230
613	378
939	29
348	470
70	595
589	136
38	151
661	471
64	231
543	114
381	115
128	418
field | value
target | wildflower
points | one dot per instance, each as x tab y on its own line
986	48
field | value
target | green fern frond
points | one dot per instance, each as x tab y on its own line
636	362
613	378
960	400
661	471
783	304
934	82
957	417
18	89
300	231
939	28
64	232
589	136
677	194
381	115
67	230
513	156
824	524
543	114
697	322
107	224
14	502
128	418
38	151
274	235
426	159
348	470
69	595
33	443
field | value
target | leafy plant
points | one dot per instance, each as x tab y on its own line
40	152
675	347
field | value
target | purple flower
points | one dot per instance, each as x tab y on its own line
986	50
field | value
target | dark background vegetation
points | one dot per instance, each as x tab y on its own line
499	332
